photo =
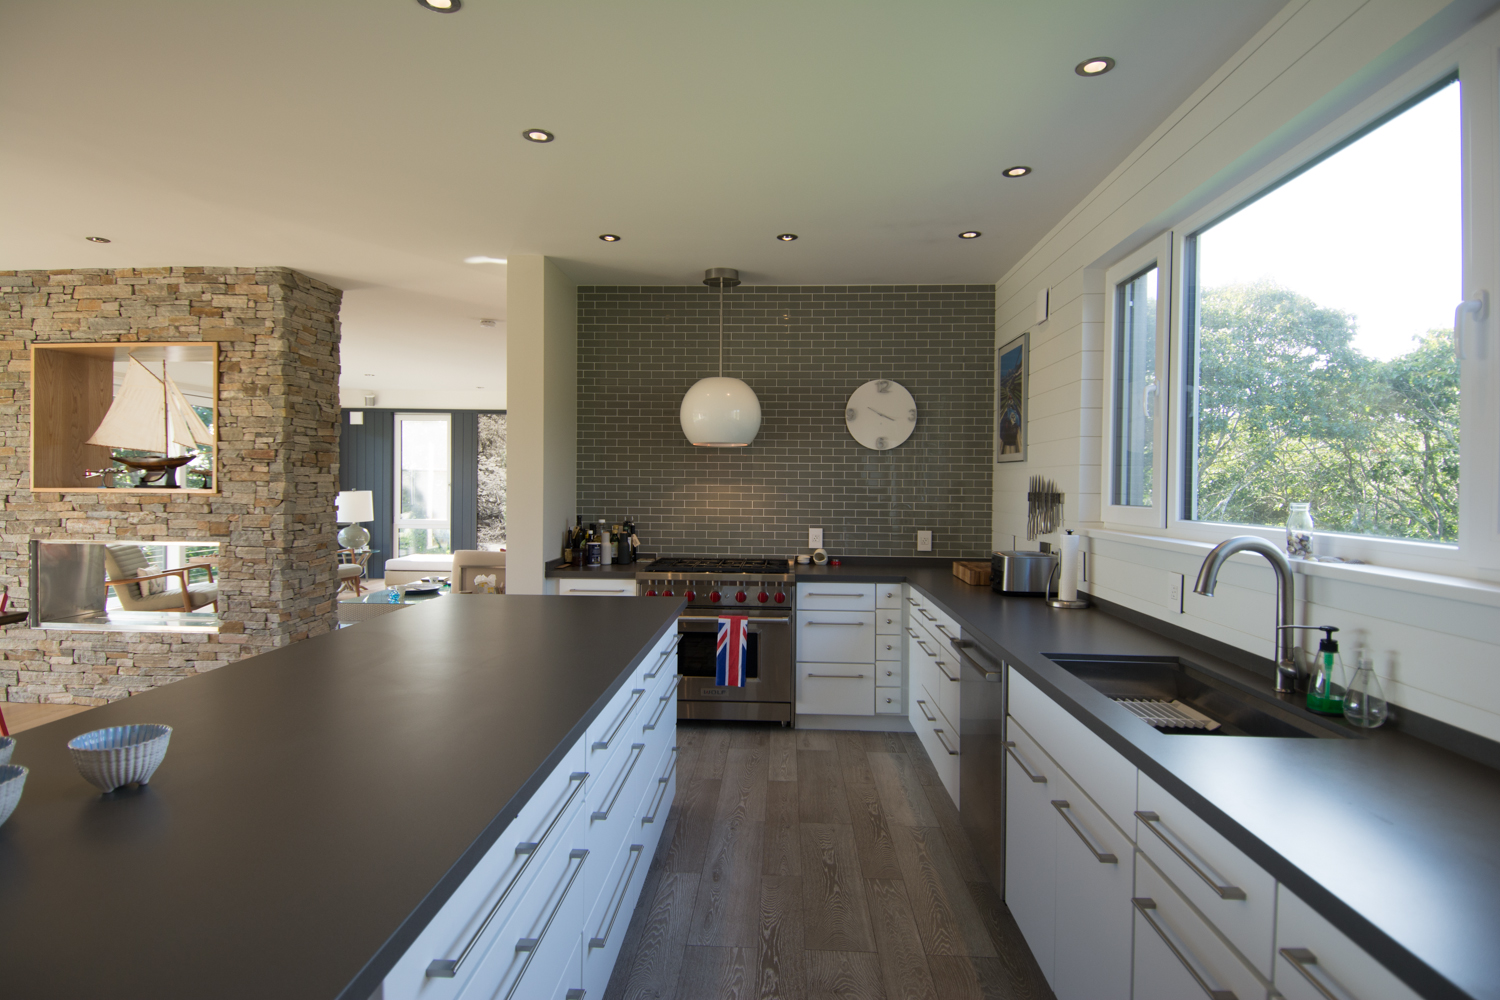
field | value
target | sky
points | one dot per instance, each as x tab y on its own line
1373	230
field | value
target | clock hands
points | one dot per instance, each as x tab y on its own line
879	414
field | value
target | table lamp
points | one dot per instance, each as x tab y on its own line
354	506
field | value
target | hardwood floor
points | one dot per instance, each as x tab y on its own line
813	865
21	716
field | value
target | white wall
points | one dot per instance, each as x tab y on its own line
1316	60
542	432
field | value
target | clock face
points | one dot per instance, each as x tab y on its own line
881	414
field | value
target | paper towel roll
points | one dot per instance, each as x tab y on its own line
1067	583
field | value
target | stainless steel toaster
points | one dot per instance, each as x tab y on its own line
1021	572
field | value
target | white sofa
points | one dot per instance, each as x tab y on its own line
410	569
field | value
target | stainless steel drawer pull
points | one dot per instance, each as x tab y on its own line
1145	906
530	945
666	655
1010	748
639	749
447	968
665	700
1303	960
754	619
600	942
620	591
846	677
1103	857
923	612
912	601
576	994
945	673
911	632
635	700
661	793
944	629
811	594
843	624
925	649
1153	823
922	706
963	646
939	734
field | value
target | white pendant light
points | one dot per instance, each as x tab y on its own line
720	412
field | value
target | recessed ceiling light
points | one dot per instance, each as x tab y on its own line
538	135
1017	171
1095	66
97	239
787	237
369	374
610	238
442	6
972	234
487	324
484	260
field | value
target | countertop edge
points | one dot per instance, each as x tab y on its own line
369	978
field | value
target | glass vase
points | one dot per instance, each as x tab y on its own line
1299	531
1364	701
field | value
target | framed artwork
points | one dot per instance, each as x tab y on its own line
1010	400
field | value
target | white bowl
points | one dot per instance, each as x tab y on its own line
7	747
120	755
12	780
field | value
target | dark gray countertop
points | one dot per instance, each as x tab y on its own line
317	806
1390	838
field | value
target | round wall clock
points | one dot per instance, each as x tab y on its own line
881	414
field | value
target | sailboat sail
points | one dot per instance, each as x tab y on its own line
138	417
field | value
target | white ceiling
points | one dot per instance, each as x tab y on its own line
375	144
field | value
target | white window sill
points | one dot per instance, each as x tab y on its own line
1453	588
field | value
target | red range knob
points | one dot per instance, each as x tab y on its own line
691	596
740	597
714	597
764	597
650	593
667	593
780	597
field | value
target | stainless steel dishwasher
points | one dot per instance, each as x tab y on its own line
981	766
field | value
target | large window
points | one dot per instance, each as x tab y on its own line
423	484
1319	364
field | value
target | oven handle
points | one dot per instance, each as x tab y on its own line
749	620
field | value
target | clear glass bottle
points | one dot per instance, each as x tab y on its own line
1364	702
1299	531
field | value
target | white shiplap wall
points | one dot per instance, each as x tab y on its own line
1437	644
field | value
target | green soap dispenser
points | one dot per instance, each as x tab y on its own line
1325	692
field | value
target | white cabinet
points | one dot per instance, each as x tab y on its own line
1315	961
600	586
1178	954
1095	869
836	655
835	688
836	636
829	596
933	686
1031	847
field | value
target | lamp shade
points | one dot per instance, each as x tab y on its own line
354	506
720	413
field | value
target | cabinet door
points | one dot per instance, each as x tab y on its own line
1095	875
1178	954
1031	846
1314	960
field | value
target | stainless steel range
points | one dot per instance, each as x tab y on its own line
763	590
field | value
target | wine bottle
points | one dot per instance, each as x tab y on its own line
627	541
579	541
592	547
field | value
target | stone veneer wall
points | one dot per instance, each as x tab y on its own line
803	350
278	467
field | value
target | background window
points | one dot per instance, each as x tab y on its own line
1135	389
1319	359
423	484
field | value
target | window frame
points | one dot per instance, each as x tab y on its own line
1475	58
432	524
1157	253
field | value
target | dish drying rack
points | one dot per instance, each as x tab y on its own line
1164	714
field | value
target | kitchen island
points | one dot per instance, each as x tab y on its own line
321	803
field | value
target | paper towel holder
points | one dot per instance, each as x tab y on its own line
1058	602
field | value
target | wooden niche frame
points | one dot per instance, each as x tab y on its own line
72	387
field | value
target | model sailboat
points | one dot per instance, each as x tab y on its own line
151	414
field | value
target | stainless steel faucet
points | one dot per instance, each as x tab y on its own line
1287	675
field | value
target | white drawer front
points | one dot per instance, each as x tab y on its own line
1105	776
836	636
889	595
1177	954
835	688
1314	960
605	927
890	647
946	684
888	701
888	621
1094	881
615	727
1235	893
835	597
597	588
941	745
888	673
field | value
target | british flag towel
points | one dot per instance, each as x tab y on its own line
730	671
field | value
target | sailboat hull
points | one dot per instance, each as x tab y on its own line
156	473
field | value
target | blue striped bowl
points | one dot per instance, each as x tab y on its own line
12	779
120	755
7	747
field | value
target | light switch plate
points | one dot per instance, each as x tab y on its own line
1042	303
924	541
1174	592
815	538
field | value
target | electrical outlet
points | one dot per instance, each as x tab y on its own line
924	541
815	538
1174	592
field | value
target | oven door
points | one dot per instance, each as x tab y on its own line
768	660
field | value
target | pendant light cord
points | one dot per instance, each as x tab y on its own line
721	329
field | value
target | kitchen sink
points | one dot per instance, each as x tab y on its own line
1185	699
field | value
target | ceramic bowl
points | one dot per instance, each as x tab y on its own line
120	755
12	779
7	747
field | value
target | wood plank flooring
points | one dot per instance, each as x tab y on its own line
813	865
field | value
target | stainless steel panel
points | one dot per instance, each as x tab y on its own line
67	581
981	766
